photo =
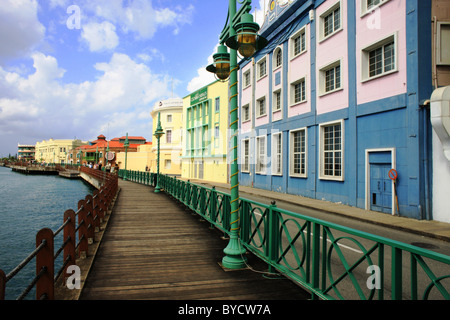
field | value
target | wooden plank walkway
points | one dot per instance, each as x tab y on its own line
154	249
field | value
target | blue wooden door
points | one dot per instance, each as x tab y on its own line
380	188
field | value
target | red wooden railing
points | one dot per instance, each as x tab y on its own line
84	222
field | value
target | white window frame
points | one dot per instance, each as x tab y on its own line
244	75
275	108
245	157
167	164
322	17
364	6
169	118
169	134
258	67
440	44
275	58
261	157
244	119
277	155
322	175
365	58
291	153
292	101
322	77
217	105
258	107
298	34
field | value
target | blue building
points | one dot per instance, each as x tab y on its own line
336	107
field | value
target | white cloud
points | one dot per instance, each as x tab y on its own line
203	77
43	105
138	16
20	29
100	36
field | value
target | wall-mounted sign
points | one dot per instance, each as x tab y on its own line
199	96
110	156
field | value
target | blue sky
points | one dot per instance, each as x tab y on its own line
80	68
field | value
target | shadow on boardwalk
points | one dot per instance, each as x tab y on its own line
154	249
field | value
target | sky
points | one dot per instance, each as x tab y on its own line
80	68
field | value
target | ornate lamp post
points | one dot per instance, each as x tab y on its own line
239	34
158	134
107	154
126	145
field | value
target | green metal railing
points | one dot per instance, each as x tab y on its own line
329	260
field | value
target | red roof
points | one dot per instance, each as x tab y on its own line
114	143
132	138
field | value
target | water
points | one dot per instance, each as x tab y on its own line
29	203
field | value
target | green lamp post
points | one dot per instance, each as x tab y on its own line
239	34
158	134
107	154
126	145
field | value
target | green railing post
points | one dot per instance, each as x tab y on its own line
396	274
315	258
245	221
273	239
213	205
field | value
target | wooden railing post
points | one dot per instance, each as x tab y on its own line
45	270
90	218
101	203
82	230
69	236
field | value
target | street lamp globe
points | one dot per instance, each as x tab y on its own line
246	41
221	65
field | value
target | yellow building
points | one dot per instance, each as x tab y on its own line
56	151
171	111
206	130
142	160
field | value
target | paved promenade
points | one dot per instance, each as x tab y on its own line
155	249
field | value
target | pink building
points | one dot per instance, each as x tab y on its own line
338	100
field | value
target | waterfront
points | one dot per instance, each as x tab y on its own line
29	203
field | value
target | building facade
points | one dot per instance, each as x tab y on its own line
141	160
334	108
171	112
56	151
206	118
101	151
25	152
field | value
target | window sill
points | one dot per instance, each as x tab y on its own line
330	92
367	79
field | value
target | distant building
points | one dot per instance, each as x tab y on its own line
102	151
56	151
26	152
206	115
171	111
141	160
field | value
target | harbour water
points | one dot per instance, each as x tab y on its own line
29	203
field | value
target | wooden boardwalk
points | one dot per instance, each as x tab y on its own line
154	249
